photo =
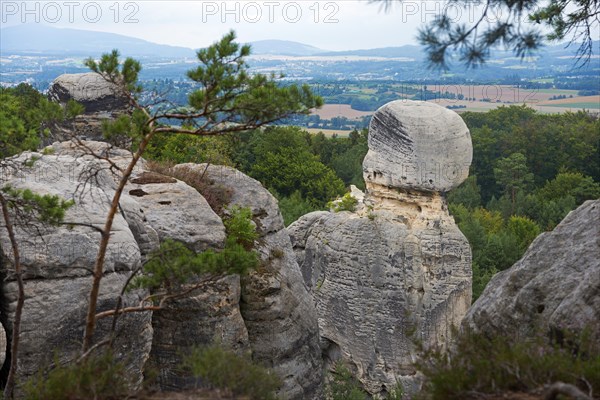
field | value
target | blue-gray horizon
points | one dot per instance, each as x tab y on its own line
327	25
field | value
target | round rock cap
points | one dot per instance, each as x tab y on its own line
417	145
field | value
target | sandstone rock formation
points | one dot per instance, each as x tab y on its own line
276	308
554	287
96	95
57	262
268	312
417	145
398	269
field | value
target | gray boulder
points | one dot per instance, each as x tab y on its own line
100	99
88	89
417	145
210	314
275	303
397	270
57	264
554	287
3	344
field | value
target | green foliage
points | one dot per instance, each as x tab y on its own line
397	393
293	207
529	170
546	213
496	244
24	116
481	277
467	194
174	265
73	109
343	386
513	175
524	229
500	252
125	74
285	164
240	228
47	151
226	370
573	184
14	137
125	128
181	148
550	143
347	158
99	376
346	203
45	208
489	366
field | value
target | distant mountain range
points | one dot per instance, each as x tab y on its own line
408	51
43	39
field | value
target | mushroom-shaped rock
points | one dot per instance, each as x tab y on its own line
417	145
398	269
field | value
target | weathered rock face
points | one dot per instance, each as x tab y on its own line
417	145
3	344
275	304
89	89
96	95
398	269
554	287
57	263
268	312
209	315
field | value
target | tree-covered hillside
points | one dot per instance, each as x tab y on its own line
529	170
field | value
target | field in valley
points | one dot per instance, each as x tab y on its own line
329	111
542	100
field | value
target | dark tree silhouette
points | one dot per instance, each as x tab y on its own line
513	24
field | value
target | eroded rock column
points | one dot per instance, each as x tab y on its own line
398	270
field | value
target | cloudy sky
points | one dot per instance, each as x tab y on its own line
330	25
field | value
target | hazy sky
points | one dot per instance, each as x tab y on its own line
330	25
